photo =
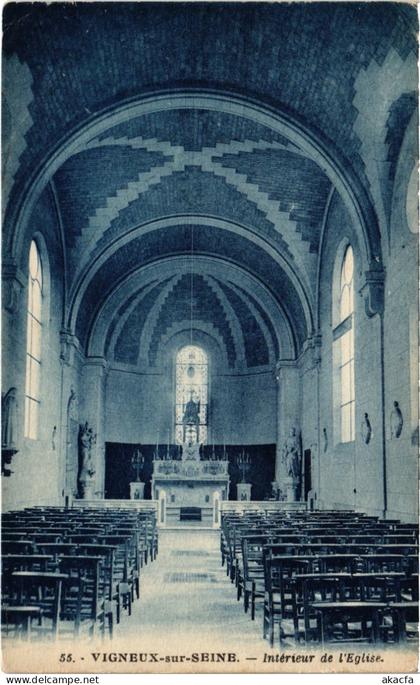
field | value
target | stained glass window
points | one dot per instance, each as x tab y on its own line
191	406
33	343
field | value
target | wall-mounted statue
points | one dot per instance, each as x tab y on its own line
396	421
87	438
9	420
366	429
292	457
8	429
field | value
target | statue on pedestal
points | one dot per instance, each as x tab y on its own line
87	438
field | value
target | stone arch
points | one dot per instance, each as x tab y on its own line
404	207
323	152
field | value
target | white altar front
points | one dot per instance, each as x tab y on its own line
190	489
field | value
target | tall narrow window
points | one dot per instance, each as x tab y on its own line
33	343
344	350
191	395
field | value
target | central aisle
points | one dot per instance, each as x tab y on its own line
187	602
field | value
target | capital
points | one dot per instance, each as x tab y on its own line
13	282
372	290
100	363
310	356
69	344
281	366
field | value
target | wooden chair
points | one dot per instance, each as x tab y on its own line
278	588
110	583
336	621
405	619
82	602
40	589
17	621
253	571
56	549
127	566
381	587
312	587
17	547
27	562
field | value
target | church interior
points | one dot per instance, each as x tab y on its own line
210	321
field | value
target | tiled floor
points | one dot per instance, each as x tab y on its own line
188	608
187	598
188	620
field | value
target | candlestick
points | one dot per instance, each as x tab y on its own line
243	461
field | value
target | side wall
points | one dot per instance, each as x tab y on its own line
401	332
37	467
352	474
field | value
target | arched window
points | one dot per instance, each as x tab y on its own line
33	343
191	395
343	335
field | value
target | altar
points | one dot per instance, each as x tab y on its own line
190	489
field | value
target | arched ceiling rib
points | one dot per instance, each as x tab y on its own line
262	183
261	48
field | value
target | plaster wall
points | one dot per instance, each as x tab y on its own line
139	408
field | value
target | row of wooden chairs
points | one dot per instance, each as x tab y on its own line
308	600
305	568
71	571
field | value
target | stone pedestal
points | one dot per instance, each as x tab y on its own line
137	490
243	492
89	490
291	490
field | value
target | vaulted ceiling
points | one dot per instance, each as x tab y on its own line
213	131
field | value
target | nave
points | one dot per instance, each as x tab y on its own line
268	583
210	279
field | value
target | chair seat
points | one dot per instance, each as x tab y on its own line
34	610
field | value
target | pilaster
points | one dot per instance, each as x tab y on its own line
93	393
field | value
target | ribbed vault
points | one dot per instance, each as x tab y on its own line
225	146
200	296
